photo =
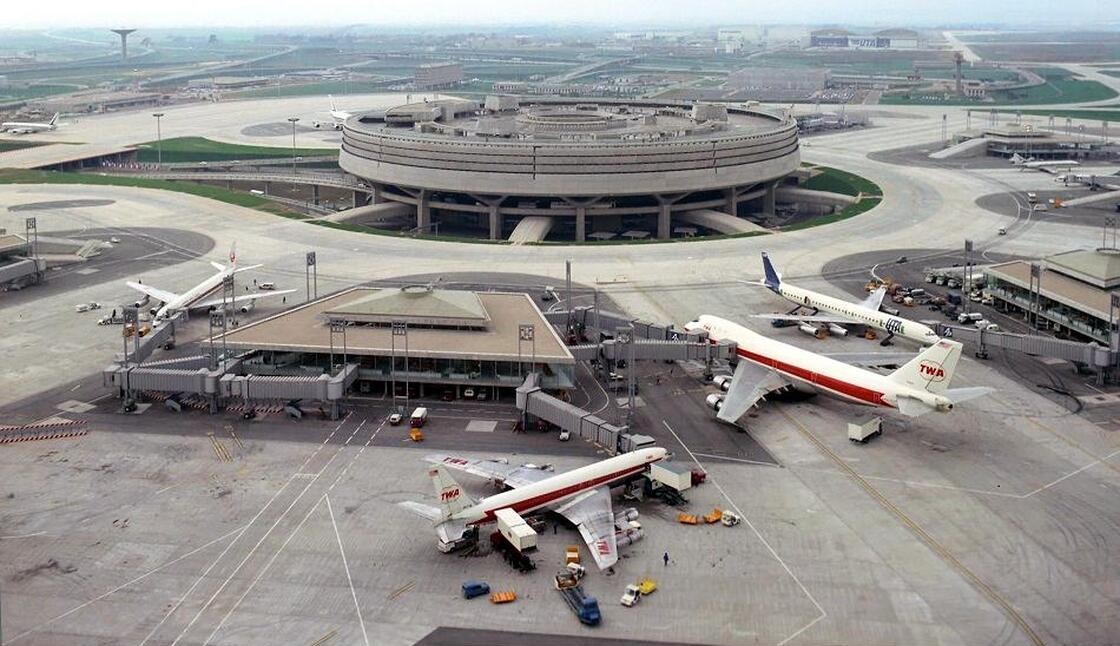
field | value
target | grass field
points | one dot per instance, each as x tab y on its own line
835	180
862	206
7	144
1060	87
247	200
195	149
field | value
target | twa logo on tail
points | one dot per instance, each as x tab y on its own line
931	371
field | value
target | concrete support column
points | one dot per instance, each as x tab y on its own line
229	185
664	221
770	199
730	208
423	212
375	196
267	188
315	194
581	223
495	222
359	198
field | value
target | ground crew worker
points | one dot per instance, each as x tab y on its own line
665	557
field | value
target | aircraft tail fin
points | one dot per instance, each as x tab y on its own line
932	369
54	119
772	278
331	99
451	497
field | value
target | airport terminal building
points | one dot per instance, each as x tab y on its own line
1072	290
588	170
428	342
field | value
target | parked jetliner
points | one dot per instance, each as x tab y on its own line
583	496
337	117
842	312
27	127
192	298
1046	166
918	387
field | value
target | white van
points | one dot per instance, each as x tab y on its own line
267	286
419	417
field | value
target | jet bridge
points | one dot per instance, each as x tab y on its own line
532	401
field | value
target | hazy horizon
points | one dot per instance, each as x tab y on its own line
619	14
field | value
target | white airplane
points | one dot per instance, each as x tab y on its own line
583	496
28	127
337	117
193	297
919	386
1047	166
841	312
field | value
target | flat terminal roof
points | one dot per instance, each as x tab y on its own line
1097	267
304	329
11	242
1056	286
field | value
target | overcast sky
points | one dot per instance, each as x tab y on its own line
620	13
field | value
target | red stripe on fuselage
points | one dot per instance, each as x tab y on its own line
556	494
860	393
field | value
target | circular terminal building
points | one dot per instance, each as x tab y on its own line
569	169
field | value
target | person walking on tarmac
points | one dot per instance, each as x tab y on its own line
665	557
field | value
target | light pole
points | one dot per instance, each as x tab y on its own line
159	141
293	120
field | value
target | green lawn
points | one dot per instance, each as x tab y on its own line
195	149
862	206
8	144
835	180
248	200
1056	90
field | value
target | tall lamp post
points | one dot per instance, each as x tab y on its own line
293	120
159	141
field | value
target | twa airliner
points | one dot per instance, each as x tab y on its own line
582	495
920	386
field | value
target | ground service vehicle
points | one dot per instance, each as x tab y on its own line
472	589
585	607
419	417
631	596
395	419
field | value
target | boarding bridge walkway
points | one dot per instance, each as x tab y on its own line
229	383
977	147
532	401
1085	353
1093	199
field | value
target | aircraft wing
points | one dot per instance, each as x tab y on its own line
808	318
591	513
246	268
749	385
158	294
513	476
871	359
874	300
217	302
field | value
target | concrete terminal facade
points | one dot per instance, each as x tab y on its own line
428	341
581	165
1071	293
